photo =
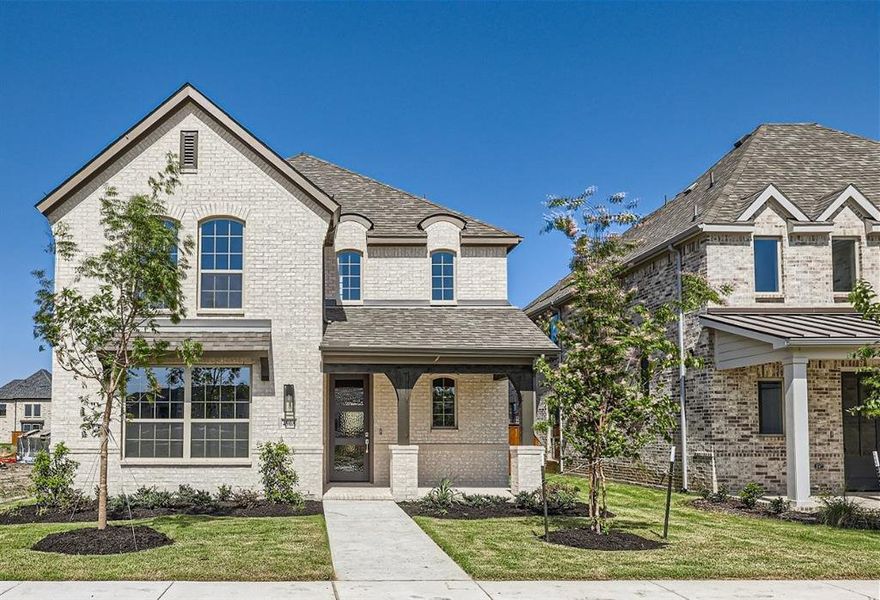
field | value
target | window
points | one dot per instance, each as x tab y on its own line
189	150
222	259
645	375
32	426
443	403
208	405
770	407
442	276
2	410
32	411
350	275
767	265
554	327
843	261
169	224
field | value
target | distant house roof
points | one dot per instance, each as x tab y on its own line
808	163
795	326
36	387
492	331
393	212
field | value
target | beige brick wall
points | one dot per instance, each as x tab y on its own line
283	253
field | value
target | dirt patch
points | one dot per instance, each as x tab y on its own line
735	507
494	511
113	540
89	512
586	539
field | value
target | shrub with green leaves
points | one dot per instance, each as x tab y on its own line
779	505
150	498
750	494
846	513
52	478
278	475
560	497
224	493
482	500
441	497
245	498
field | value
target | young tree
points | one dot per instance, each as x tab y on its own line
104	324
598	383
864	300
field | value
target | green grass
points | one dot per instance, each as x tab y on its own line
204	548
701	545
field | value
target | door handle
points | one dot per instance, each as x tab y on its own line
367	442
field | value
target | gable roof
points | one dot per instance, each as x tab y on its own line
392	211
37	386
187	93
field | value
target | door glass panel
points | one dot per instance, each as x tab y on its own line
350	424
349	458
349	392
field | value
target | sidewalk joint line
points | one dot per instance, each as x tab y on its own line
12	588
833	584
159	597
671	591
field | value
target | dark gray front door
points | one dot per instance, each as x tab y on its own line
350	429
861	437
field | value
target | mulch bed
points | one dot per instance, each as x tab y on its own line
735	507
89	512
113	540
586	539
495	511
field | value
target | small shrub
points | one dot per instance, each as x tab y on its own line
245	498
278	474
482	500
718	497
560	497
840	511
224	493
191	499
52	478
750	494
117	505
150	498
779	505
442	497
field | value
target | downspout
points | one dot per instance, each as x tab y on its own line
682	369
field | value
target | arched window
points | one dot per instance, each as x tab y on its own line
443	403
222	263
350	275
443	275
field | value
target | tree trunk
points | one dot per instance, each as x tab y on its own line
595	469
102	465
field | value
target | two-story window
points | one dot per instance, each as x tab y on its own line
442	276
767	265
349	262
222	264
844	264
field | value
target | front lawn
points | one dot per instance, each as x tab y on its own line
702	545
204	548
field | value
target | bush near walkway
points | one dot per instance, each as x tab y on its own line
702	545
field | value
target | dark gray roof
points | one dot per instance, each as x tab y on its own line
393	212
557	295
36	387
797	326
434	329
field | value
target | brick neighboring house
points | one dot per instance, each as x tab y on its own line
790	218
367	327
25	405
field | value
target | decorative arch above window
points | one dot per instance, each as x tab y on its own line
443	413
349	275
221	263
442	275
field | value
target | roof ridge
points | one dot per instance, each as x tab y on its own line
848	134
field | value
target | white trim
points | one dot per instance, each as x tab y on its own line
770	192
356	218
811	227
727	227
851	192
872	226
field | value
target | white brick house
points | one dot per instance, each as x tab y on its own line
366	327
790	218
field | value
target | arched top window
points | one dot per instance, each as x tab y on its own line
443	403
222	263
350	275
442	275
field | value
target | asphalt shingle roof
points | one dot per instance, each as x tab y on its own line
393	212
37	386
440	329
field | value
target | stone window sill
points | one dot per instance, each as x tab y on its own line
177	462
210	312
774	297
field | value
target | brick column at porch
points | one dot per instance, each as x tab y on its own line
525	468
404	472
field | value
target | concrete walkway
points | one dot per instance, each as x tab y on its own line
443	590
377	541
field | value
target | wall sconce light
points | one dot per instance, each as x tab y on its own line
289	419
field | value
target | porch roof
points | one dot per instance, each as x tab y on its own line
434	330
225	335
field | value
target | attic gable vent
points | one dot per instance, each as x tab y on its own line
189	150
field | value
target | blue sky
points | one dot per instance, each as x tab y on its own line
486	108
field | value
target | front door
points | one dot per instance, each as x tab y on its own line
350	429
861	437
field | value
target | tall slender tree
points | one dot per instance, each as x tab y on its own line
104	323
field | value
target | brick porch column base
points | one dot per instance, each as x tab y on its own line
525	468
404	472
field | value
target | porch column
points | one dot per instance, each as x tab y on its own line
403	379
524	382
797	430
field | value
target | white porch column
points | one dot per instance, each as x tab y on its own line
525	468
797	430
404	472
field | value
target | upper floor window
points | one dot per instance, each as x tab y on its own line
767	265
350	275
553	327
32	411
442	276
222	262
843	264
443	403
2	410
172	252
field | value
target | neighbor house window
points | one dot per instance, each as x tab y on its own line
211	404
767	265
2	410
31	426
770	407
32	411
350	275
222	261
443	403
442	276
843	261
